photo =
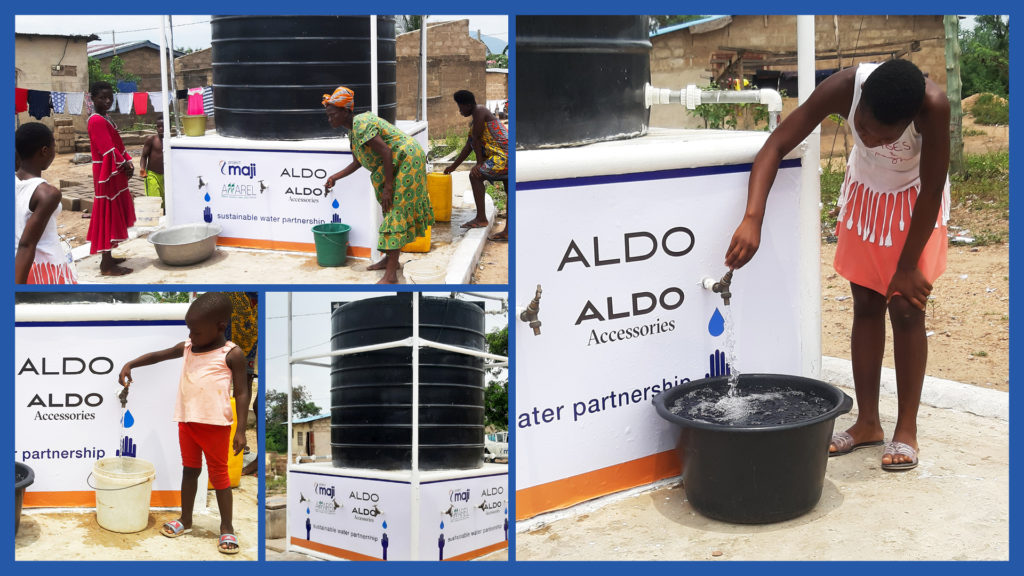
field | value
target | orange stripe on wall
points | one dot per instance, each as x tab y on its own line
331	550
87	498
354	251
478	552
575	489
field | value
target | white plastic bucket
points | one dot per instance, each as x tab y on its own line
123	487
425	271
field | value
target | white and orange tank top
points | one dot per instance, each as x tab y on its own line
204	391
882	183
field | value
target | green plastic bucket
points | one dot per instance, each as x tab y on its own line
331	240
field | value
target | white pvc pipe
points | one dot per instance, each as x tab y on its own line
98	312
288	462
423	66
461	350
415	481
356	350
373	64
165	55
809	251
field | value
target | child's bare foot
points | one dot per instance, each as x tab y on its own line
859	436
388	279
378	265
475	223
118	260
115	271
175	528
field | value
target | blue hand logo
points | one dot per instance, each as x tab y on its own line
127	449
207	215
336	219
718	365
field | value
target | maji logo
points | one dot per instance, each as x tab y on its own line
236	168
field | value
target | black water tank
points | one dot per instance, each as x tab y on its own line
371	393
580	79
270	72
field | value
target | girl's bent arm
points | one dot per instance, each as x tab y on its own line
46	199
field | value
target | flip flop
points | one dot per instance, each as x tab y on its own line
899	448
471	225
845	444
177	529
228	539
498	238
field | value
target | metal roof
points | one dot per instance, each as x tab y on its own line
310	418
101	51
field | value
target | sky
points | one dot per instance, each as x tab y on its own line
311	312
189	31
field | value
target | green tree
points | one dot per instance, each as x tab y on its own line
117	72
410	22
496	393
277	415
985	56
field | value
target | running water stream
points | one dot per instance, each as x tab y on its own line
730	352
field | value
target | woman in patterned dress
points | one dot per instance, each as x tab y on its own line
399	176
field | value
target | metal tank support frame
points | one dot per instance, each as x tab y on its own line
415	342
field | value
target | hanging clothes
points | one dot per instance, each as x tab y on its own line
38	104
59	100
208	100
180	94
126	86
141	103
124	102
90	108
20	100
74	102
157	99
195	101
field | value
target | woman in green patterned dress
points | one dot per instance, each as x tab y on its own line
399	176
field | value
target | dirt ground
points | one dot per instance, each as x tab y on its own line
74	534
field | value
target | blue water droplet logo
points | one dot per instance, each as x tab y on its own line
442	524
207	197
335	204
717	323
127	421
307	509
385	524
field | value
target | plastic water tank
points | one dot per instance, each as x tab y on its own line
580	79
271	72
371	393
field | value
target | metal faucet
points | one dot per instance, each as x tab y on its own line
123	397
531	312
720	286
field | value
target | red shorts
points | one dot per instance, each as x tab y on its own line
214	442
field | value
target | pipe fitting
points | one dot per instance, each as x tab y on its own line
720	286
531	313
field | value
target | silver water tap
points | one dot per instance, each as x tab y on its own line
531	312
720	286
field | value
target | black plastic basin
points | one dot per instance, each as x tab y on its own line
23	478
754	474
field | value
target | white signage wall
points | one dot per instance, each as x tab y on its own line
273	198
463	515
623	317
349	517
67	413
353	517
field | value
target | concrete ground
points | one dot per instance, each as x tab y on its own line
454	247
953	506
75	535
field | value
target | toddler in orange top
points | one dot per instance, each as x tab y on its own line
214	368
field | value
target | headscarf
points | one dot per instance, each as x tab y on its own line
342	98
